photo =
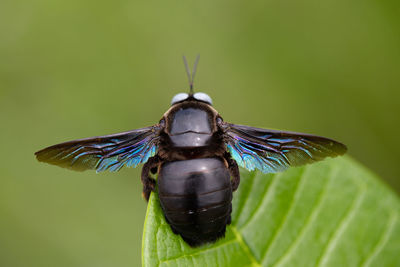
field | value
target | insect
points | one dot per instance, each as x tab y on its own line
195	155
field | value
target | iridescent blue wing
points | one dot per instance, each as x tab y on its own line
110	152
274	151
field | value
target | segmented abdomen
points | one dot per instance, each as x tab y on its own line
196	198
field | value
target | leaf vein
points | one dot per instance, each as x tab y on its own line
342	226
382	241
307	224
269	190
200	252
245	247
299	185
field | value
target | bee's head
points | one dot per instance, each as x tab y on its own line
181	97
191	96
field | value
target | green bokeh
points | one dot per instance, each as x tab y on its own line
73	69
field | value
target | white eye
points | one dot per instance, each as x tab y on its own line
179	97
203	97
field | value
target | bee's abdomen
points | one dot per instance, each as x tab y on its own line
196	197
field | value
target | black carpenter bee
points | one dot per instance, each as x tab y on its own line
196	156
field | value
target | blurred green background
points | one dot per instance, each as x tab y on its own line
74	69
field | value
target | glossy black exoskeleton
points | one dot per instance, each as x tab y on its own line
194	172
196	156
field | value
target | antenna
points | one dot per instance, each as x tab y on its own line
189	74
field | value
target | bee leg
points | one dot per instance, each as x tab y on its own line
233	170
149	184
229	221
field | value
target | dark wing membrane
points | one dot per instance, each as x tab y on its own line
274	151
100	153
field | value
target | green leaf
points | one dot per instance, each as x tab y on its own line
332	213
